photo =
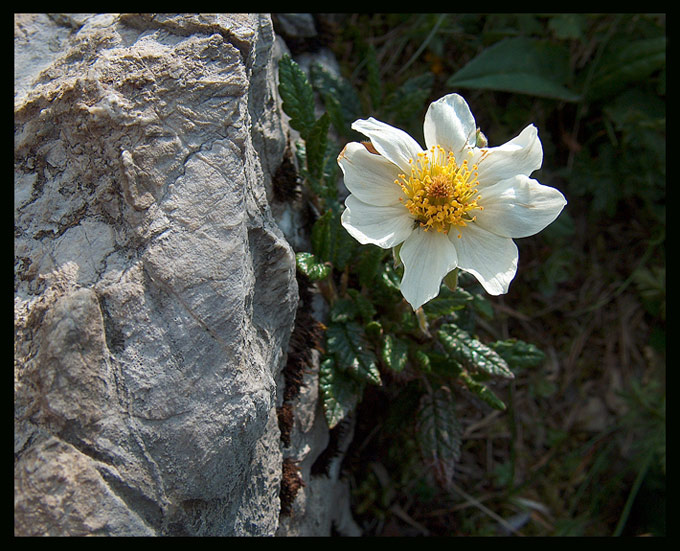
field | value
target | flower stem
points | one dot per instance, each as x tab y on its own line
422	322
328	290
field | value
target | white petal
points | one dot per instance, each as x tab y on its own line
519	207
395	144
427	256
385	226
521	155
490	258
369	176
449	123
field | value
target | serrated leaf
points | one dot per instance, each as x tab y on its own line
522	65
423	361
345	246
341	99
343	309
316	142
330	241
309	265
471	353
439	432
408	100
409	321
297	95
394	352
363	305
448	301
388	277
340	393
373	329
323	236
334	111
329	174
443	365
519	354
482	391
348	344
370	258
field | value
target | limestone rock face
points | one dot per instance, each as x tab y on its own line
154	293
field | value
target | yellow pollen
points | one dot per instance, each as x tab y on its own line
440	193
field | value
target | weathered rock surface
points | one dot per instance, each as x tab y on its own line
154	293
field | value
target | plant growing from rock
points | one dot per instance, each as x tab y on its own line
379	327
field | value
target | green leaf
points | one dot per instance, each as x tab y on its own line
331	242
352	307
316	142
443	365
519	354
323	236
408	100
329	174
439	432
343	309
309	265
482	391
408	323
341	99
297	95
626	62
345	245
522	65
423	361
340	393
370	258
334	111
447	302
373	329
389	278
394	352
471	353
363	305
348	343
482	306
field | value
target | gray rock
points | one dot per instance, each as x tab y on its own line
295	25
154	293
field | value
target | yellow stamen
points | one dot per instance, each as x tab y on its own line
440	193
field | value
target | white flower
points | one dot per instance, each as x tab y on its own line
453	205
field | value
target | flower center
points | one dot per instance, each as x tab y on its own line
439	193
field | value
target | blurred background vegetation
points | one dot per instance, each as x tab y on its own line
581	447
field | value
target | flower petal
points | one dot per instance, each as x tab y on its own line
521	155
519	207
395	144
385	226
449	123
369	176
490	258
427	256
